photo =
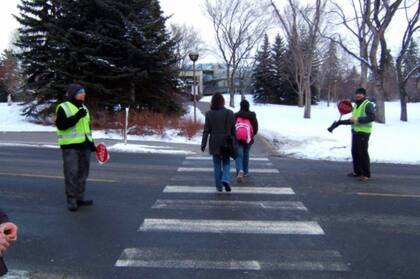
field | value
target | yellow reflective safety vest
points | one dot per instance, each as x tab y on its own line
77	133
361	112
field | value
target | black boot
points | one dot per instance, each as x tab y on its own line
85	202
72	205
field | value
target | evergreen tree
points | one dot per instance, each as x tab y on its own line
411	58
36	49
263	74
280	82
119	50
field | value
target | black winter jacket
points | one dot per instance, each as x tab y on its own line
218	124
3	219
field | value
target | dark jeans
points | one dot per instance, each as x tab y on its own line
221	165
242	161
76	170
359	152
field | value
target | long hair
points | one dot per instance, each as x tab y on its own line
244	105
217	101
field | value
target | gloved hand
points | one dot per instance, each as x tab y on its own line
92	147
333	126
81	113
203	148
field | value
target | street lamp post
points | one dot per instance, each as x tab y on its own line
194	57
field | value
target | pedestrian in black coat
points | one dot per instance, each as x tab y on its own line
8	234
218	124
244	148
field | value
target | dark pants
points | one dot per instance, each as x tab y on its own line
359	152
76	171
3	268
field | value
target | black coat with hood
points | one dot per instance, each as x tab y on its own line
218	124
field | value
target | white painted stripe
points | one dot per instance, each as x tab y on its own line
220	204
184	169
232	226
195	163
305	266
210	158
185	258
17	274
191	264
236	190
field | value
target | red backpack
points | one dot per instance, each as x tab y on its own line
244	130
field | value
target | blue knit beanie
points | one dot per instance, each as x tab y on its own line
74	89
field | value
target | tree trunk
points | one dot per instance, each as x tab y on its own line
403	101
300	97
308	99
232	89
328	94
363	75
380	104
9	99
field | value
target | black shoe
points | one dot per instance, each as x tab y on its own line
227	186
219	189
72	206
85	202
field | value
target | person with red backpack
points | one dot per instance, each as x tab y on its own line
246	127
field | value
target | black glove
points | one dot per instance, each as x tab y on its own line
92	147
81	113
333	126
203	148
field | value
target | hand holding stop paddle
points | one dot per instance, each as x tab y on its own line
344	107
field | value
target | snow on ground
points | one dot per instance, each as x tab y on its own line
393	142
11	120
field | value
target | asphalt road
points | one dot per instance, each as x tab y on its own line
152	219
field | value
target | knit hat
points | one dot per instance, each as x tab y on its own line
360	90
74	89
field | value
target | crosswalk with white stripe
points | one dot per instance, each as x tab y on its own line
200	199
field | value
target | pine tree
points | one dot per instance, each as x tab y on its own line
411	58
36	49
263	74
282	90
119	50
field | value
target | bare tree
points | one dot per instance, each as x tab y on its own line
376	15
404	75
356	25
239	26
187	39
302	26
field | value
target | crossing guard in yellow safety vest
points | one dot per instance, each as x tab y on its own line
75	139
362	119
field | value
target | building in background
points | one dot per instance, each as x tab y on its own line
211	79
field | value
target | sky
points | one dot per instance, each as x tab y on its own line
190	12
